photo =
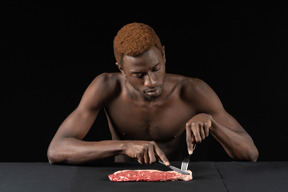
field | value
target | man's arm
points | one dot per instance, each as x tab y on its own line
67	145
212	118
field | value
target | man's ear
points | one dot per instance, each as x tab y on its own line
163	53
120	69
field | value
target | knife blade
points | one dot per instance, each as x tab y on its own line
175	169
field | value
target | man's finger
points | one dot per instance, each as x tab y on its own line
206	128
161	155
189	138
202	131
151	154
146	156
195	130
140	158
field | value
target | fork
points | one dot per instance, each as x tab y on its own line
186	161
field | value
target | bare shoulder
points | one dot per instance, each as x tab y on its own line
107	79
197	92
196	85
103	88
190	87
186	83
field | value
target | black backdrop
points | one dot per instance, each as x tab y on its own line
50	52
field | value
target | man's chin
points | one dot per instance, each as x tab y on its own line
151	95
150	98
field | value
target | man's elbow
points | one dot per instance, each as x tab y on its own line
250	154
253	155
54	157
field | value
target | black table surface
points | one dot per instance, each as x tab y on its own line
207	176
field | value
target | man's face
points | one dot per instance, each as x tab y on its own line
146	73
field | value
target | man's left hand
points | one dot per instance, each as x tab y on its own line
197	129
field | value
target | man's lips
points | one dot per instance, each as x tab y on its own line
152	91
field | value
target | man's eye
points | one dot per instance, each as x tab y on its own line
157	68
139	75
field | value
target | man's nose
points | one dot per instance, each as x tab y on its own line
150	80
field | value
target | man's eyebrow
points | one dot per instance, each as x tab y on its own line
156	64
136	72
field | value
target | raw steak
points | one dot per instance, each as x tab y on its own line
148	175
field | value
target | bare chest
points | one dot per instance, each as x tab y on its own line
158	122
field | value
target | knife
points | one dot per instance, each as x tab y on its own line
175	169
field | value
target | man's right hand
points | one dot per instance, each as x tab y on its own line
146	152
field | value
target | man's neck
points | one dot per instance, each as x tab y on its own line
142	99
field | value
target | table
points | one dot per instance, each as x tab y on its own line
207	176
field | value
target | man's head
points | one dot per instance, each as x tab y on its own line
141	58
134	39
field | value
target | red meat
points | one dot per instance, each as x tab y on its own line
148	175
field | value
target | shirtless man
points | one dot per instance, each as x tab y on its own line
151	114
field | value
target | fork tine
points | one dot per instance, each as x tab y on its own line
182	165
185	163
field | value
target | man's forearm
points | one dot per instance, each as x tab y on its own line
238	145
73	151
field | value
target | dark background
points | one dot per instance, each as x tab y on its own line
51	51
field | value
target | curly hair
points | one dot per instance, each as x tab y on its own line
134	39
